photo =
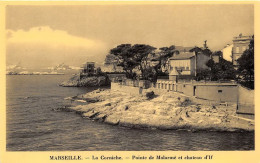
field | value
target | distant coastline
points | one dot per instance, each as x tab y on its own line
60	69
36	73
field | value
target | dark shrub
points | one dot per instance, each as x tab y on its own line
150	95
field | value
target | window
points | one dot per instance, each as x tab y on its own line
184	85
237	49
219	91
187	68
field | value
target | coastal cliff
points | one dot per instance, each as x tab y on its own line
91	81
163	111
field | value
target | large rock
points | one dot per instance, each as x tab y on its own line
91	81
72	82
165	111
113	120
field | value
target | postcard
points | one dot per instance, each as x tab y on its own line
129	81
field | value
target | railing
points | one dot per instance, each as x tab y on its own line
207	81
136	83
242	37
163	77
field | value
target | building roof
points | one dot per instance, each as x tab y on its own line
183	49
228	46
182	56
241	37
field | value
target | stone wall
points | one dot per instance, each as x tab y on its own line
218	92
129	89
246	101
221	93
246	96
187	89
208	93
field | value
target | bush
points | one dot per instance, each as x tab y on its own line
150	95
184	101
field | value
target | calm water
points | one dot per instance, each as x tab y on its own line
33	126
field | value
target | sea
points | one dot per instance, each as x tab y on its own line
32	125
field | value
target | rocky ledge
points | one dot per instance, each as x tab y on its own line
164	111
91	81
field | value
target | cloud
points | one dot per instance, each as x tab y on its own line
44	46
51	37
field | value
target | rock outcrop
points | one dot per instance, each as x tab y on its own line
90	81
165	111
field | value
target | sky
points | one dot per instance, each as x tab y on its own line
43	36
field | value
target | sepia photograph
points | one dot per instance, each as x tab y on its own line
130	77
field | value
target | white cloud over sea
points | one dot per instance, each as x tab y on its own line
44	46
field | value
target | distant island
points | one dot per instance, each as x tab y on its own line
63	66
59	69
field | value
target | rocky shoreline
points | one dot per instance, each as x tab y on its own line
91	81
165	111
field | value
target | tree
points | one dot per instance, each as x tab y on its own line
218	53
124	58
205	51
165	54
162	58
204	74
246	66
224	70
196	49
111	59
130	57
141	56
